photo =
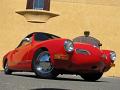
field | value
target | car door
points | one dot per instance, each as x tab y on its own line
20	56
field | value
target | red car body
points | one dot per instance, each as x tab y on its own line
85	58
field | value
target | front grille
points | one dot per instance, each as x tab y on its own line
82	51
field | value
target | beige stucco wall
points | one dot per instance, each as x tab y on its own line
101	17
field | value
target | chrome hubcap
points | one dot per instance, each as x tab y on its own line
43	64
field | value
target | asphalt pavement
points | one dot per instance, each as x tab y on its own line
28	81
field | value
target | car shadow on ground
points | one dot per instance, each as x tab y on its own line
58	78
48	89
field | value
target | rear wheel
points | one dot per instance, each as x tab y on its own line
6	69
91	76
42	65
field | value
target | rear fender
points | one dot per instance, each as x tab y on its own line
6	58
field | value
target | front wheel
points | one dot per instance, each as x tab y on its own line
42	65
91	76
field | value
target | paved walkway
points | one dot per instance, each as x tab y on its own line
28	81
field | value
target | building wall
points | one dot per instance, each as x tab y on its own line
101	17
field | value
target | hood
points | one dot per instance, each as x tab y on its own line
92	50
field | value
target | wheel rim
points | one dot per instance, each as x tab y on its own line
6	67
43	64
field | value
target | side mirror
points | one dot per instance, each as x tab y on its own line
26	39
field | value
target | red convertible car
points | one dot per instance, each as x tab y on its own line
49	55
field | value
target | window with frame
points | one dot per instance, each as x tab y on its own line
38	4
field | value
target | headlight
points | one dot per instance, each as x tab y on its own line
68	45
112	55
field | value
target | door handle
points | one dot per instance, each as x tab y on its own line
16	50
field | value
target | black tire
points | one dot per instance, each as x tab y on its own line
7	71
40	70
91	76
